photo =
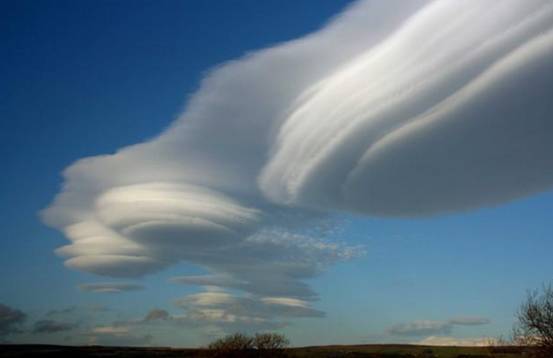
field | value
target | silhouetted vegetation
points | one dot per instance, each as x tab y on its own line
241	345
535	323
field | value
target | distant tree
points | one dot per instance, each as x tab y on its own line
233	345
270	344
242	345
535	323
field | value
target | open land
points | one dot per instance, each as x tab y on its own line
334	351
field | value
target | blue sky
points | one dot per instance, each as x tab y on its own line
87	78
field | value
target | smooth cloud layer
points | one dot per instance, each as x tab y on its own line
427	121
396	108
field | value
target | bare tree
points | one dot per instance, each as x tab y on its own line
234	345
535	322
241	345
271	344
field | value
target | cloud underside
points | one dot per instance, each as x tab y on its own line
217	312
435	328
10	320
223	312
435	107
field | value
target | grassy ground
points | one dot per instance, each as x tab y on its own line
389	351
374	351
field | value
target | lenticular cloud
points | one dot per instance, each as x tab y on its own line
396	108
450	112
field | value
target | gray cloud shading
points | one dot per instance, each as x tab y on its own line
469	321
157	315
242	313
10	320
127	340
62	311
218	312
96	308
116	336
405	143
110	287
397	108
420	328
433	328
52	326
271	263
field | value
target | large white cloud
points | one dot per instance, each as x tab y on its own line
450	112
395	108
194	186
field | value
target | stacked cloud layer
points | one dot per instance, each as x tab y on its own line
396	108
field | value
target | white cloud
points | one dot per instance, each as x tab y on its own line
396	108
114	330
427	121
458	342
110	287
231	313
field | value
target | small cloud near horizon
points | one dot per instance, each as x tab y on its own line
52	326
110	287
435	328
11	320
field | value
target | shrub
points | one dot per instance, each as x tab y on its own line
234	345
241	345
270	344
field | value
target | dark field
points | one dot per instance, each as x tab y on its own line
385	351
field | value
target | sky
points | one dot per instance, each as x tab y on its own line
340	172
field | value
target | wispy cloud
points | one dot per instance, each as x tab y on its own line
10	320
110	287
114	330
433	328
454	341
52	326
157	315
62	311
117	336
242	313
218	312
394	119
469	321
420	328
